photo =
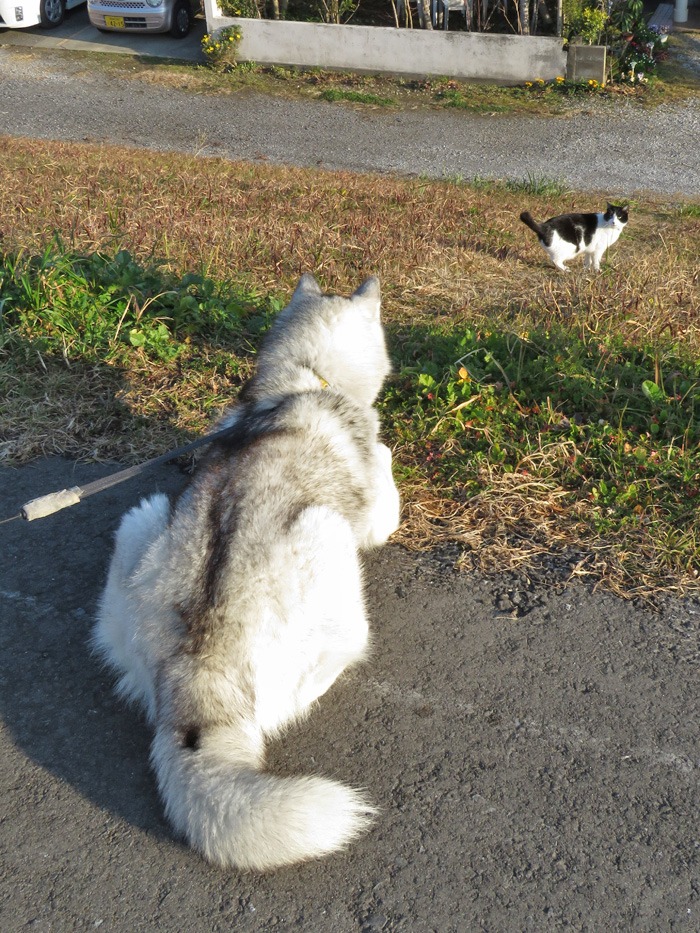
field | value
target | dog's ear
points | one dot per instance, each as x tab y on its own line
369	293
369	289
308	287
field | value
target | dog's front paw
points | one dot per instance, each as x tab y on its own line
384	455
385	515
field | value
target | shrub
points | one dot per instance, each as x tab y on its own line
220	48
589	25
248	9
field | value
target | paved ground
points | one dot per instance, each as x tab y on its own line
538	773
76	34
533	748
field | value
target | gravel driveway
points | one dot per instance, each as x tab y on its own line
618	149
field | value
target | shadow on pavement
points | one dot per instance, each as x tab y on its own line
58	703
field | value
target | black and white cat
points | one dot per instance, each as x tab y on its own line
568	235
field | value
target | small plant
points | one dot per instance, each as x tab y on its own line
247	9
355	97
538	185
589	25
561	87
627	16
221	48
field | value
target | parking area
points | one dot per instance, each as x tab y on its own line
77	34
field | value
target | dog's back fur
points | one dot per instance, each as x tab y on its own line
228	613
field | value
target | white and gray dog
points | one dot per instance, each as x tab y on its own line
230	611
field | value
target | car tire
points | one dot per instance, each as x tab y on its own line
51	13
181	22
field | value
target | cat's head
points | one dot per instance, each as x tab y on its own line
618	214
341	340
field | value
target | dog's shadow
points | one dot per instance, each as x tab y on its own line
56	700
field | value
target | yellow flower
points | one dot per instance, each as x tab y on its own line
559	79
528	84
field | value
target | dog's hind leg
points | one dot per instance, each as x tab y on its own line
114	635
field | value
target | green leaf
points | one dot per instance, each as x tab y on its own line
653	392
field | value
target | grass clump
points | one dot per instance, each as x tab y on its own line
93	348
356	97
592	427
100	307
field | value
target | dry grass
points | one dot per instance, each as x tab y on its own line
450	256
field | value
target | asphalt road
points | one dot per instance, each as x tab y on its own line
533	747
537	772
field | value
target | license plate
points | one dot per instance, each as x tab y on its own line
116	22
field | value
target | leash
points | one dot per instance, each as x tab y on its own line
55	501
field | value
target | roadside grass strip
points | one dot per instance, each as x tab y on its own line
534	416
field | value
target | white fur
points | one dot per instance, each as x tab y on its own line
287	616
562	251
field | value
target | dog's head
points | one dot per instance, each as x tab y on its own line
341	340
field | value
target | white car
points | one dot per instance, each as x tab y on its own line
173	16
47	13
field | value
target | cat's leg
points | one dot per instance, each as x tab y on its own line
558	253
321	626
385	512
557	257
597	256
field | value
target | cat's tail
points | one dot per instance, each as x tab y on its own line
237	816
528	219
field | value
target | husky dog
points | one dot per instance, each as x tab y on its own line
229	612
568	235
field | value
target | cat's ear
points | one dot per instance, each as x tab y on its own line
308	287
369	293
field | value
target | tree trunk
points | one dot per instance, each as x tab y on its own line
524	16
424	14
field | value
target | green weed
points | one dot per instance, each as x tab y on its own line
538	185
356	97
99	307
592	422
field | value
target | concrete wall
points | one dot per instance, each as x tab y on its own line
584	62
470	56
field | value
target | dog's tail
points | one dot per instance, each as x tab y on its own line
235	815
528	219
